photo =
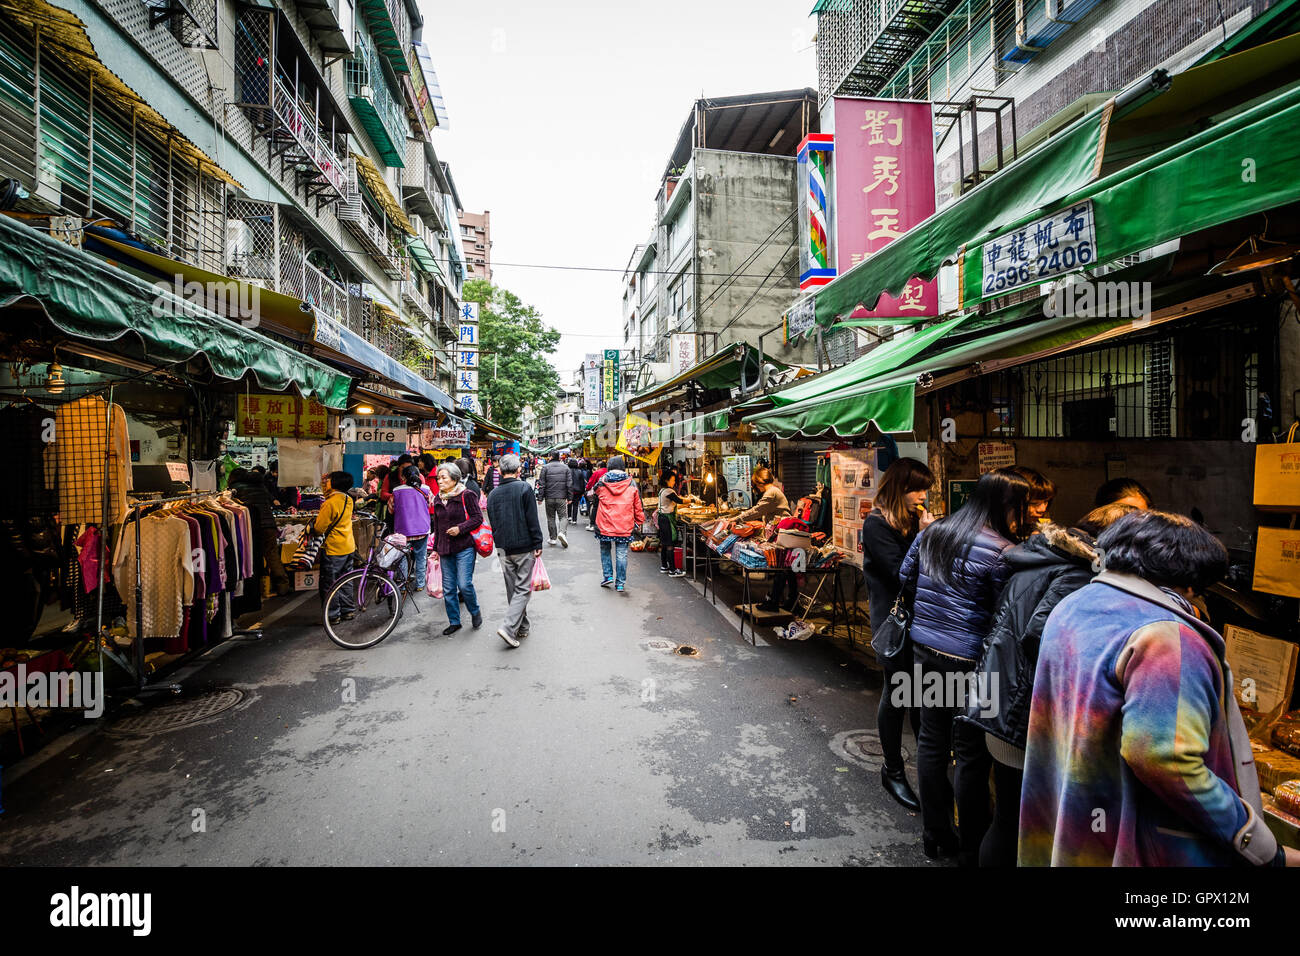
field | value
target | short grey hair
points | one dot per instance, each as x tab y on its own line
452	471
510	464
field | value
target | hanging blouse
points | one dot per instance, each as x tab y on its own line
90	439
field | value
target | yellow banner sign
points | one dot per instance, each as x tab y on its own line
281	416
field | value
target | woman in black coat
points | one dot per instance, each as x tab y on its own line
888	531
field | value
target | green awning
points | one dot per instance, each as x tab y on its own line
847	411
699	425
424	259
87	298
1036	181
888	409
723	369
878	361
1247	164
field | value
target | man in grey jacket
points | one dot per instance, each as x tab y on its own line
553	486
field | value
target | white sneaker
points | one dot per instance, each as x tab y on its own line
563	540
553	542
505	636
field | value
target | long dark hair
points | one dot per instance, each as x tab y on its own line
411	476
1000	501
468	470
902	478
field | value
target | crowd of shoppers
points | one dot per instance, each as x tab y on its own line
1073	667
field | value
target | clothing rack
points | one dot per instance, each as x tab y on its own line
139	668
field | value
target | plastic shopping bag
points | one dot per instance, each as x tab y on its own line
433	576
541	580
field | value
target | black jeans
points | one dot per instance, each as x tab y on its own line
574	498
1001	843
941	740
666	543
785	591
331	567
889	716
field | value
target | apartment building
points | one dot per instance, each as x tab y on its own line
1013	71
476	237
560	427
288	144
719	262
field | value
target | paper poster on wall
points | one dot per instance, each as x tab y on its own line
634	440
853	489
996	454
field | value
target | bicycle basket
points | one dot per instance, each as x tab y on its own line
392	551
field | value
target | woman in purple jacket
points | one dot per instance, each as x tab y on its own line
959	571
456	516
411	502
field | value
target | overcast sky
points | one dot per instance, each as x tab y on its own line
563	113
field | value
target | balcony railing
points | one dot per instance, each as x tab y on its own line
291	113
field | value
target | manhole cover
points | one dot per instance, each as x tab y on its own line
687	651
660	645
183	713
863	748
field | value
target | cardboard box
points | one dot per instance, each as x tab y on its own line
306	580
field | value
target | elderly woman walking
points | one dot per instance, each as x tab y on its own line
456	516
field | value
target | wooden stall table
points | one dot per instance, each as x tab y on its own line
51	662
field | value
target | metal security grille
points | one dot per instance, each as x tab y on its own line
861	44
1194	383
250	240
82	153
293	256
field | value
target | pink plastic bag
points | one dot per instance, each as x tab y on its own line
541	580
433	576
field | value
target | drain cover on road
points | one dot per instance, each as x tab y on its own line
687	651
183	713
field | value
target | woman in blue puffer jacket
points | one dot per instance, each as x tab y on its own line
959	570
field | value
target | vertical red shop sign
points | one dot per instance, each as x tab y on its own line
884	185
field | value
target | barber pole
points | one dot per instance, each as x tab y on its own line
815	268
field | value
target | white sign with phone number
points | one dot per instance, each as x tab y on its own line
1042	250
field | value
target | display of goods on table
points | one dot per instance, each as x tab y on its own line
1286	733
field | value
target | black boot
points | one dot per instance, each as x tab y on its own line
896	785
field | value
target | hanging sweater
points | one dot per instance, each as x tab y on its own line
167	574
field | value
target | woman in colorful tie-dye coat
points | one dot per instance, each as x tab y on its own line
1136	753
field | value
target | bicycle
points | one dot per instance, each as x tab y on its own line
379	597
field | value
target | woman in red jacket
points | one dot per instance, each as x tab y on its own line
620	514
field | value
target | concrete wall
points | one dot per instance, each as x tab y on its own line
744	201
1216	477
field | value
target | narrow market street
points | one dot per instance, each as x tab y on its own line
594	742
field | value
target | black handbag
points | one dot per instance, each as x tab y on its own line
892	639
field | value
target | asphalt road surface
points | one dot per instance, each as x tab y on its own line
593	743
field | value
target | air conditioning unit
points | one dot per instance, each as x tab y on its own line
239	240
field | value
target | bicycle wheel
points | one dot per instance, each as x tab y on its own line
378	605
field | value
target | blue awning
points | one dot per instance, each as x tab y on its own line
334	335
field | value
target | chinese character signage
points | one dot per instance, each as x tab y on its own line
431	436
591	369
466	357
611	378
281	416
682	351
816	258
1042	250
468	403
466	380
884	185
